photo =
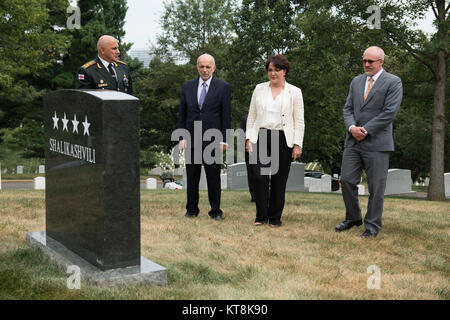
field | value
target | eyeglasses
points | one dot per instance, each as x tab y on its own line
369	61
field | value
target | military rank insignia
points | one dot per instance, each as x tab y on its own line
125	82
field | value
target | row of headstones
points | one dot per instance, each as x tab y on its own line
398	181
20	170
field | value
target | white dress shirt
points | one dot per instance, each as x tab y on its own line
106	64
272	113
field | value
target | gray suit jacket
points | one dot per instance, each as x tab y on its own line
376	114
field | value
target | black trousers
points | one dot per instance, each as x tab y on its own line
250	179
193	172
270	188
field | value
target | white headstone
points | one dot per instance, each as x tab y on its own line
307	182
223	181
326	183
237	176
361	189
39	183
296	178
150	183
41	169
19	169
399	182
314	184
447	184
426	182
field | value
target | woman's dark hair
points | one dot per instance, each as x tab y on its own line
279	61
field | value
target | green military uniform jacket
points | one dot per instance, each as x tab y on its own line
94	75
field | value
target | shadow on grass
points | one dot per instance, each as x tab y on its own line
26	274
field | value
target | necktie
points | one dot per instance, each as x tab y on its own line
111	70
202	96
368	88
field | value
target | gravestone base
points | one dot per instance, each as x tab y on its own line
412	194
146	272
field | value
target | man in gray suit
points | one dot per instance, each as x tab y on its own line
373	102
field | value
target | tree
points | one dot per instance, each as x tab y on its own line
29	44
193	27
397	17
159	92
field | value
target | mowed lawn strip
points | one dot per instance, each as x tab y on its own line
303	259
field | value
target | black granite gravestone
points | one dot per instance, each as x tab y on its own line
92	175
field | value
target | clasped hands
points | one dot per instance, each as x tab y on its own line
359	133
296	151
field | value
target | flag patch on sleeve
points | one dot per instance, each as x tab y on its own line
80	76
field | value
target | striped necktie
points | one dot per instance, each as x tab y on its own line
112	71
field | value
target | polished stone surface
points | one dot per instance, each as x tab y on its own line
237	176
296	177
146	271
92	175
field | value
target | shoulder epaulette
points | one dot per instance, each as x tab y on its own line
88	64
121	62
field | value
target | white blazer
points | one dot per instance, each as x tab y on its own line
291	114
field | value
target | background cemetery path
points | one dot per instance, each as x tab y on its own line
304	259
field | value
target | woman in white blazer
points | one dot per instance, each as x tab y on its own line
275	128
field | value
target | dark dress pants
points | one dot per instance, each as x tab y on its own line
193	172
376	165
270	188
250	178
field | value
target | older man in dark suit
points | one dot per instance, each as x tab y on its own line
372	104
204	101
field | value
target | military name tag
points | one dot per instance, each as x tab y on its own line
102	84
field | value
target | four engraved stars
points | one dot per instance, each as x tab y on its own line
75	123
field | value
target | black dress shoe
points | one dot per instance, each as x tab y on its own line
217	218
347	224
190	215
369	234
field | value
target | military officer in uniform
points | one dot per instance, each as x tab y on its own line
106	71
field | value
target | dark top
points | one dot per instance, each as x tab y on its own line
94	75
216	111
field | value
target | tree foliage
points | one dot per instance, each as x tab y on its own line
193	27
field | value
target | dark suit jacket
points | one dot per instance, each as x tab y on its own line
376	114
216	111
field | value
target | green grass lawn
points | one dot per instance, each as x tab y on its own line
232	259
